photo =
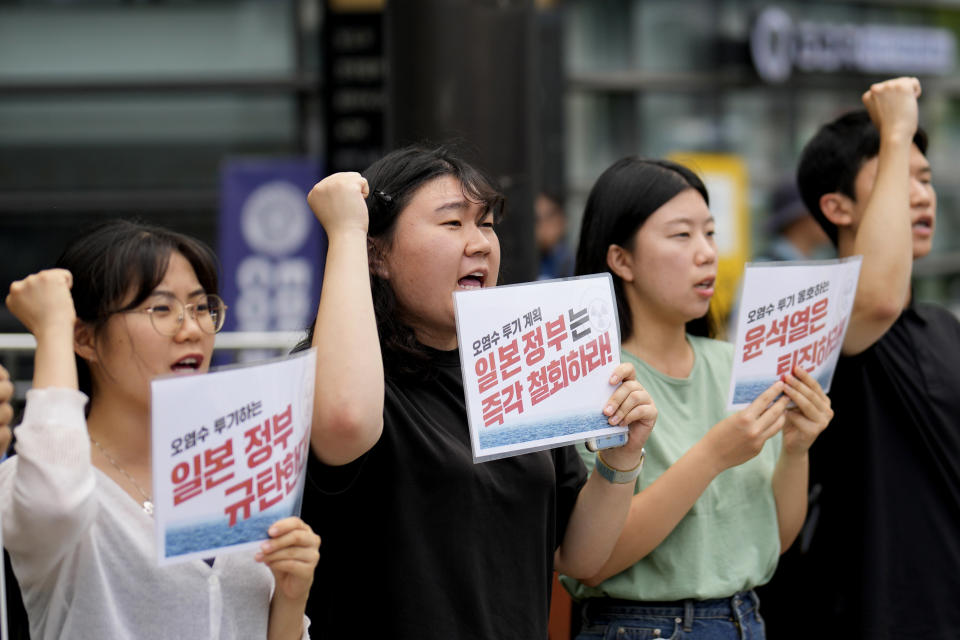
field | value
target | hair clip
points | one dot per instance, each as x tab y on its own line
383	196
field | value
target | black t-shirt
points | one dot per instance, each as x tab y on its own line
884	558
420	542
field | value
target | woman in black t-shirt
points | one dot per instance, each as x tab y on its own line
418	541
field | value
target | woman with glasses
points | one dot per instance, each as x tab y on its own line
126	303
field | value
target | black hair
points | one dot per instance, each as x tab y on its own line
621	200
832	159
393	180
556	196
118	257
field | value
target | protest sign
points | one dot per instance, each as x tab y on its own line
229	455
536	362
791	314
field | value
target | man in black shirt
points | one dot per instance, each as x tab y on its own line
883	560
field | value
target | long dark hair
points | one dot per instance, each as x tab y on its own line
117	257
393	180
621	200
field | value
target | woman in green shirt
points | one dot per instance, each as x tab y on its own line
722	494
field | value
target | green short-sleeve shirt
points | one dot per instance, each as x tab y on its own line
729	540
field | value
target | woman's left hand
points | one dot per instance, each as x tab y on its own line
291	554
6	410
809	417
632	406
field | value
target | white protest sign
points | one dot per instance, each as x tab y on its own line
536	362
791	314
229	455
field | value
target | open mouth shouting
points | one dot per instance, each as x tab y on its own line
473	280
705	286
188	364
923	226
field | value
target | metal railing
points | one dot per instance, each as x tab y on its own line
257	344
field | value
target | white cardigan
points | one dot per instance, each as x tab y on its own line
83	549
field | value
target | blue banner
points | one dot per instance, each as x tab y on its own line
272	249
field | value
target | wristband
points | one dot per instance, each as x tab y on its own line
617	476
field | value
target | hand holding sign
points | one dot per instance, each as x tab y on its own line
741	436
292	554
537	362
632	406
229	457
793	315
809	417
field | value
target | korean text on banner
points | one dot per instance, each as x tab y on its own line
536	362
792	314
272	251
229	455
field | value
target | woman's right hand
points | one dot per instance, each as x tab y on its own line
42	302
741	436
338	202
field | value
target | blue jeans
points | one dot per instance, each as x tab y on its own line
734	618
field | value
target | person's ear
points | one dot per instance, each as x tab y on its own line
837	208
84	341
378	261
620	262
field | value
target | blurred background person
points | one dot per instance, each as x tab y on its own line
550	229
793	233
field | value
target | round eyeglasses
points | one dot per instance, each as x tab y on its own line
167	316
